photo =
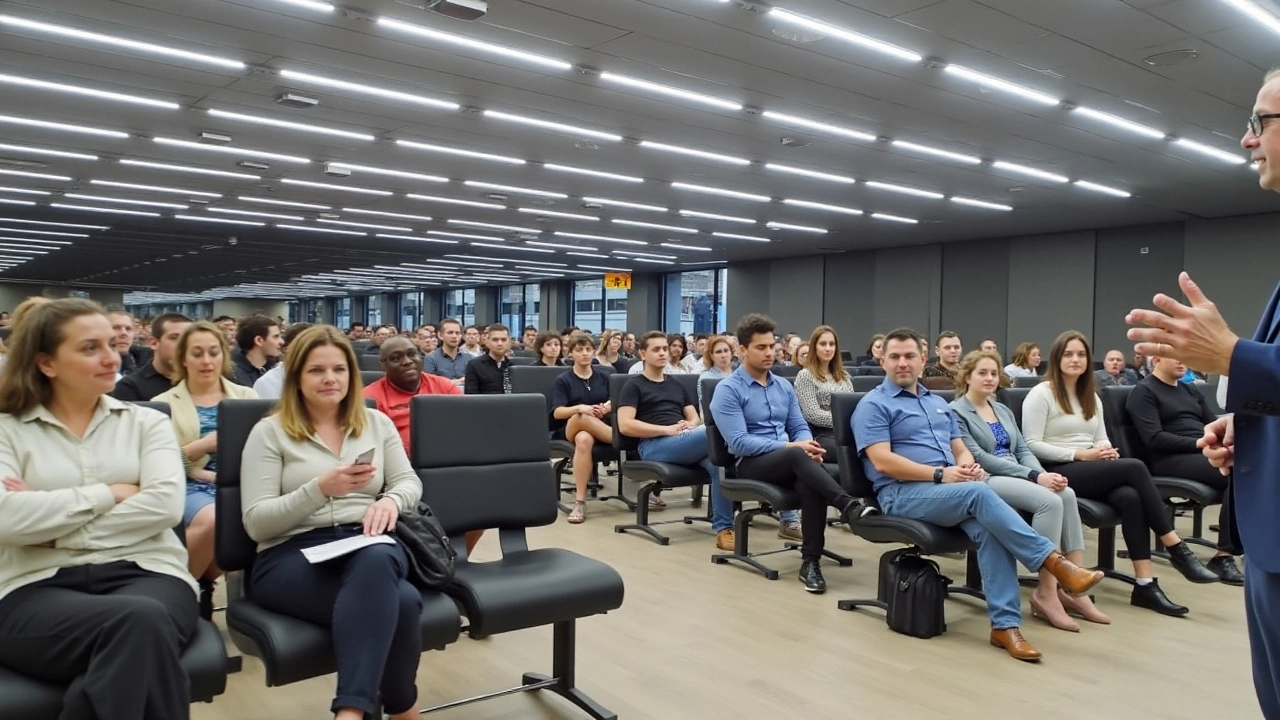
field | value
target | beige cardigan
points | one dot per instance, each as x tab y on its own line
186	423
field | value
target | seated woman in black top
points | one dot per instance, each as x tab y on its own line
580	401
547	346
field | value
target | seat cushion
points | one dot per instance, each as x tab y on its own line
533	588
1097	514
780	498
667	474
1196	492
292	650
931	539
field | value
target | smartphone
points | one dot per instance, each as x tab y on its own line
364	458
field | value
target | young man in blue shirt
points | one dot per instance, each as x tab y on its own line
759	415
921	469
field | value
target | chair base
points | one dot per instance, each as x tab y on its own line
642	516
742	554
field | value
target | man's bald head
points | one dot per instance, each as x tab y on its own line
394	344
1263	143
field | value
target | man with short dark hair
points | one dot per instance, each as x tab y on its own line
1114	373
759	416
356	332
271	384
989	344
490	374
152	378
402	379
949	351
448	361
258	341
529	338
629	348
425	338
227	325
132	357
471	341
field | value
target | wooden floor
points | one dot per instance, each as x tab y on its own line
697	640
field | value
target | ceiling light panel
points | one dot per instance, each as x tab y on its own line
124	201
716	216
548	125
971	202
995	83
51	233
494	226
682	246
894	218
155	188
937	152
465	236
736	236
119	42
655	226
62	127
381	213
586	254
828	177
691	152
428	147
455	201
1029	171
11	201
1119	122
254	213
35	175
416	238
472	44
848	36
637	253
23	191
289	125
27	149
339	188
667	90
514	189
904	190
606	267
822	206
592	173
721	192
231	150
1104	189
367	226
112	211
316	5
557	214
220	221
363	89
1256	13
797	228
562	246
20	81
373	170
625	204
169	167
601	238
54	224
329	231
512	247
284	203
1210	151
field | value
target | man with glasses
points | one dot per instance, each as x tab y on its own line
402	379
1245	444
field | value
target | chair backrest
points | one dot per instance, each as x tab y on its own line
535	379
947	394
369	377
473	479
871	370
717	448
521	359
846	356
786	371
1210	392
1014	397
621	443
160	406
1120	428
370	361
690	382
1027	382
865	383
938	383
233	548
853	475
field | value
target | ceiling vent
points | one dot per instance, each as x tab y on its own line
254	165
1173	57
215	138
458	9
296	101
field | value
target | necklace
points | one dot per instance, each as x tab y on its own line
585	380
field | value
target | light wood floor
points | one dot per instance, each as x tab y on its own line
697	640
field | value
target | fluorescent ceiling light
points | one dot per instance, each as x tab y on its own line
87	92
903	189
651	261
302	127
380	213
570	129
587	254
715	216
553	213
821	126
26	250
593	173
63	31
656	226
8	201
797	228
311	5
513	189
542	262
419	239
720	191
373	170
937	152
682	246
330	231
251	213
329	186
461	41
41	232
29	242
35	175
1212	152
643	254
669	91
462	153
55	224
186	169
625	204
124	201
493	226
230	150
829	177
114	211
606	267
511	247
601	238
1029	171
155	188
367	90
865	41
464	236
23	191
562	246
1120	122
1256	13
822	206
50	153
736	236
65	127
717	157
454	201
1104	189
284	203
221	221
979	203
468	263
996	83
389	228
894	218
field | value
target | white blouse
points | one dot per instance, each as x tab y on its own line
1054	435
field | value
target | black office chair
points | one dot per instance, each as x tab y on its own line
875	370
369	361
652	475
770	498
369	377
920	538
519	359
1210	392
1027	382
472	483
291	650
866	383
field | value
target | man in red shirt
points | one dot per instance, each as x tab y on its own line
402	379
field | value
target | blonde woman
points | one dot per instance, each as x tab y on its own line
608	354
1026	361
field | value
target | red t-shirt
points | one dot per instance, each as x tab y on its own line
394	402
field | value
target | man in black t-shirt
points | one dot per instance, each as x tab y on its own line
660	412
580	400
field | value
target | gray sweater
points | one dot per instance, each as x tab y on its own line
815	398
981	441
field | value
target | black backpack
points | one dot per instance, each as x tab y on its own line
917	590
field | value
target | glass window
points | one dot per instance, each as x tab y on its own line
694	302
461	305
410	310
588	305
373	310
532	305
342	313
511	307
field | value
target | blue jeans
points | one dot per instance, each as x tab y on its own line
1002	536
199	496
690	448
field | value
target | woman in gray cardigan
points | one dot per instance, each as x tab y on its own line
991	433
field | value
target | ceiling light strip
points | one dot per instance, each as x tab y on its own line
230	150
289	125
548	125
691	152
363	89
86	92
428	147
470	43
658	88
155	188
1004	86
592	173
721	192
49	153
848	36
103	39
187	169
64	127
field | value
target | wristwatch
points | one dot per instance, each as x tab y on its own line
937	476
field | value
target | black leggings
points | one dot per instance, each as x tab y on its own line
1194	466
791	467
1126	485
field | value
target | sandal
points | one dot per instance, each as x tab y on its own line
657	503
579	512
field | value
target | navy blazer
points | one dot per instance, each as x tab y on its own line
1254	396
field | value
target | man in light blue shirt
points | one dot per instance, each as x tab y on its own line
921	469
759	416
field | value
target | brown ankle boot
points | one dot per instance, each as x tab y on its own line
1011	640
1074	579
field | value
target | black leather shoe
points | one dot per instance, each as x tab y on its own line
1186	562
1151	597
1224	566
205	600
811	576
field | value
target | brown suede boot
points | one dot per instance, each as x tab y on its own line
1074	579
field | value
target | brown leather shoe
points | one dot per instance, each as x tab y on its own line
1011	640
725	540
1074	579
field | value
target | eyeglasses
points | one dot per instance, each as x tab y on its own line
1255	122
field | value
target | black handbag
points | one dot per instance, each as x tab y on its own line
916	592
431	556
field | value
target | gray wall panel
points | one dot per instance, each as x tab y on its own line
1236	261
1126	277
975	292
908	289
1050	287
748	291
849	291
795	294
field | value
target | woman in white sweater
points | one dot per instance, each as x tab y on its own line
822	376
1063	424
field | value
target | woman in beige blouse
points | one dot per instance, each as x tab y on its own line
94	588
301	487
823	375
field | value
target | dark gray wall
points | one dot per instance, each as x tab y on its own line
1131	266
748	291
1236	261
1050	287
644	302
849	290
554	304
908	289
795	289
975	292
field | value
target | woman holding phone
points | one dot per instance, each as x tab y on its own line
324	467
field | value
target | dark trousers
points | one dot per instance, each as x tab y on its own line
791	467
112	633
1126	485
1195	466
365	600
1262	610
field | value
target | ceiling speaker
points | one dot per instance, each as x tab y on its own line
458	9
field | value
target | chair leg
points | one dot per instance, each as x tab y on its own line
642	516
620	496
741	553
1107	556
563	680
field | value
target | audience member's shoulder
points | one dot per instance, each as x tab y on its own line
382	424
1039	390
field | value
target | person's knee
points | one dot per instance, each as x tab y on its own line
410	603
796	455
584	441
137	614
1124	496
203	520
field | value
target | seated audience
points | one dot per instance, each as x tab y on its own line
268	386
528	337
1026	361
875	350
490	373
802	354
609	353
1114	372
258	340
1063	423
132	357
580	409
1170	416
547	349
677	359
989	344
1141	365
472	342
300	489
155	377
759	416
448	361
379	336
991	434
915	456
819	379
94	588
948	365
424	337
